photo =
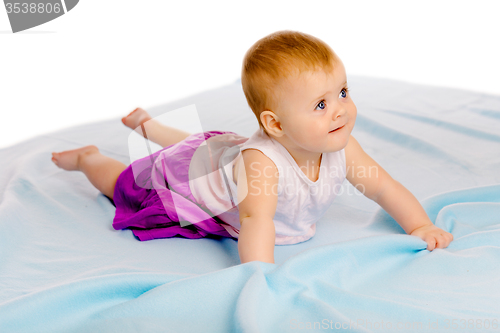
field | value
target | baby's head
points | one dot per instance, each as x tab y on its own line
297	88
273	60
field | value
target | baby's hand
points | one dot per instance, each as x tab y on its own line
434	236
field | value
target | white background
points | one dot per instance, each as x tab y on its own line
104	58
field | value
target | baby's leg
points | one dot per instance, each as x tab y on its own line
102	171
154	131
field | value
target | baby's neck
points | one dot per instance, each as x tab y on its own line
309	162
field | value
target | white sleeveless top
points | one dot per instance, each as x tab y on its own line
301	202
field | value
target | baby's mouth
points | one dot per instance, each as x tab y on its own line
336	129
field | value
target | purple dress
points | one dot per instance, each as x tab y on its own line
153	199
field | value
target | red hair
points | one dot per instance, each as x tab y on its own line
277	57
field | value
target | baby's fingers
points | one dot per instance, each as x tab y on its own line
439	241
443	240
431	242
434	237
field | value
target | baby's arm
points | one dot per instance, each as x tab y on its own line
152	129
393	197
257	184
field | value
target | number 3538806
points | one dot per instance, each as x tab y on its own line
32	8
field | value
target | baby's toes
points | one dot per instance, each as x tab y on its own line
54	158
136	118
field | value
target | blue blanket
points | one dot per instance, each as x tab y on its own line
63	268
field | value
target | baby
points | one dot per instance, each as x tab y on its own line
297	88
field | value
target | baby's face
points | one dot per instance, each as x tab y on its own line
316	112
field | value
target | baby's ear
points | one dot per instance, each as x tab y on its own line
271	123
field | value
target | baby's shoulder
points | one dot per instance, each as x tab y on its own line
257	160
256	185
253	163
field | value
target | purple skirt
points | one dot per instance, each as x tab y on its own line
152	192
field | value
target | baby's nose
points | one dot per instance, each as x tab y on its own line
337	114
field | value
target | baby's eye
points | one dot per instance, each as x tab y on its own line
321	105
343	93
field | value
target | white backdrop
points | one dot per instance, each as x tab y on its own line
104	58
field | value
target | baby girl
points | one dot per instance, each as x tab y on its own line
270	190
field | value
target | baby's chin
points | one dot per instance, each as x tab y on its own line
338	145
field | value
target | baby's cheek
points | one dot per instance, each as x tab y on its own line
354	111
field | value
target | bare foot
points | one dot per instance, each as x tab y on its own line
70	159
136	118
